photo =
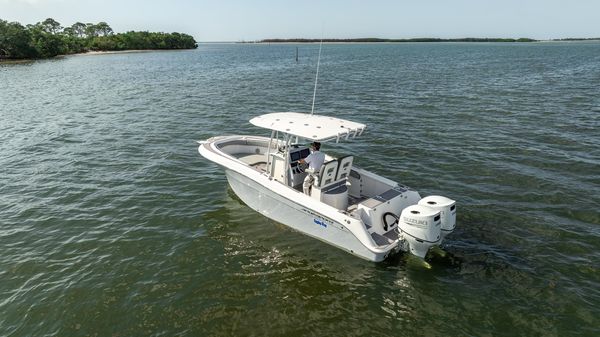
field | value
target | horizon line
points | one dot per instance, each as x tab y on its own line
398	40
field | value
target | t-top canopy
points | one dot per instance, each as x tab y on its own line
312	127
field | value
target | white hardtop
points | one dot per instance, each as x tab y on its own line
311	127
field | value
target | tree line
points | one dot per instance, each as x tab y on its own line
48	39
424	39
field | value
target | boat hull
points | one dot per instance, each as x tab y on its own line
298	217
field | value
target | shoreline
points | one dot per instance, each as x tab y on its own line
88	53
14	61
108	52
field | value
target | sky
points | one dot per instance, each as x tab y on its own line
237	20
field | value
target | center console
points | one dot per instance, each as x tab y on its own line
297	152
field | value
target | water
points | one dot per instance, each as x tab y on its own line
111	224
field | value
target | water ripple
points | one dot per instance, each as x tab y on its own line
111	223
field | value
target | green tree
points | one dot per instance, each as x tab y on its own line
50	26
79	29
103	29
68	31
45	43
15	41
72	43
90	30
48	39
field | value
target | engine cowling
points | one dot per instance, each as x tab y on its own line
447	208
420	227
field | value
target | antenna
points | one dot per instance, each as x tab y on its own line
312	110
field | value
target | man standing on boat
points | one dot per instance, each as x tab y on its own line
314	160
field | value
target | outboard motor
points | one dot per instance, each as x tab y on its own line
447	208
420	227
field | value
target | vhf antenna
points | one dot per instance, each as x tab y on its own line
312	110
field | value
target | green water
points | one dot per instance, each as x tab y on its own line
111	224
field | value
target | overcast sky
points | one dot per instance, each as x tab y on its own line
236	20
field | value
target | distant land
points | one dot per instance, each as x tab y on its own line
49	39
425	39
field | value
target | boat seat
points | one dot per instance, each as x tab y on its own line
344	167
327	174
329	190
252	159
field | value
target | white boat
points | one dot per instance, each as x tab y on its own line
348	207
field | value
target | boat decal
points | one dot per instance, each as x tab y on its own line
415	222
320	222
318	215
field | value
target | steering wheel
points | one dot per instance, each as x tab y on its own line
302	167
